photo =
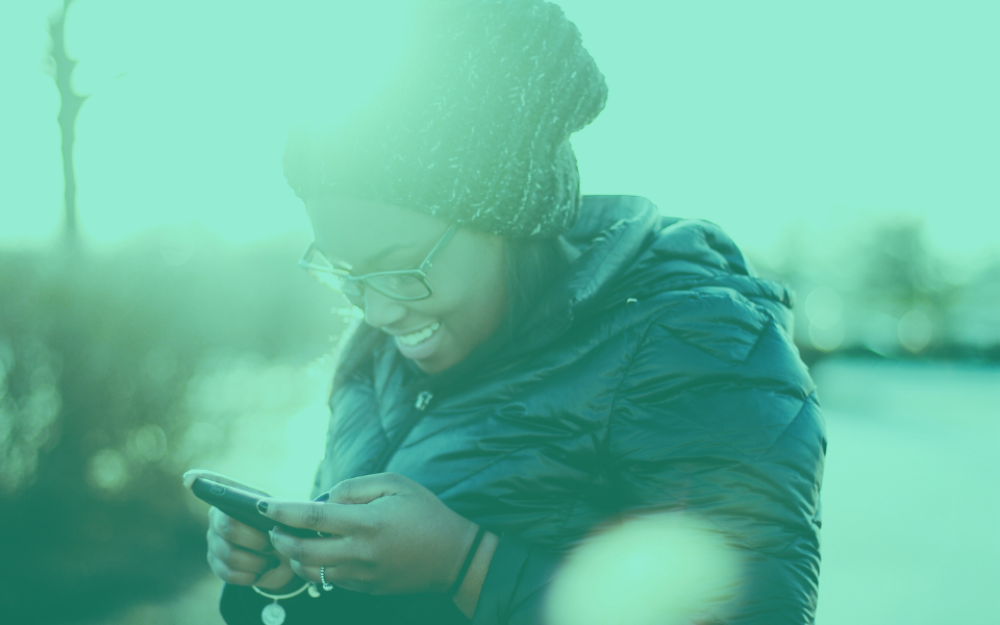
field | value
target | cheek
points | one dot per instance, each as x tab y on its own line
484	292
470	288
483	306
471	293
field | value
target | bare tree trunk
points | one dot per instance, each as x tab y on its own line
70	104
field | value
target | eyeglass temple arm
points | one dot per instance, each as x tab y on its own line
443	241
304	260
305	264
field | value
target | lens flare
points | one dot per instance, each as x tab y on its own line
662	569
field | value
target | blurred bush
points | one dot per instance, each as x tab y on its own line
99	357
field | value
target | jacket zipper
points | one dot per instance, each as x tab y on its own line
423	399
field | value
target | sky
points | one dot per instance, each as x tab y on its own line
775	119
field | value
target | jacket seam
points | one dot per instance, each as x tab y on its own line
805	403
760	339
756	308
464	478
561	532
614	403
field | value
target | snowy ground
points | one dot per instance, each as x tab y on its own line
911	510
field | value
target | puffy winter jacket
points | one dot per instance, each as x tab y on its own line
661	377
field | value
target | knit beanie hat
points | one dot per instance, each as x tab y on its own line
474	128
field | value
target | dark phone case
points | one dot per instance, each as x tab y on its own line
241	505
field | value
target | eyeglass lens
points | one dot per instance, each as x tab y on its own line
396	286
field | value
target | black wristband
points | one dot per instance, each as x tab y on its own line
468	562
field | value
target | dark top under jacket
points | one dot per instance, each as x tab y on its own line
659	376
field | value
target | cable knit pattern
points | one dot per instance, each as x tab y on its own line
475	127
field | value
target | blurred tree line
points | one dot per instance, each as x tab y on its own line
98	357
890	294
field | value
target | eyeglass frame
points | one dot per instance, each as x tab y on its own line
420	272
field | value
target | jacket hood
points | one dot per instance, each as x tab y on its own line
628	250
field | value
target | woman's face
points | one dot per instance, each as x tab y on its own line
468	279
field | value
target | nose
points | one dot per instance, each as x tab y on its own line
380	310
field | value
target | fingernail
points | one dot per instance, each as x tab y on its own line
262	506
322	498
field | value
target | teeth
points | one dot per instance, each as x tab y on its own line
419	337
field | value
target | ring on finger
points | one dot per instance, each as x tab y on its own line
327	586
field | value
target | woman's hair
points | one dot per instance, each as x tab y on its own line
532	268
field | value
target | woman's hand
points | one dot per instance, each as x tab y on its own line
239	554
389	535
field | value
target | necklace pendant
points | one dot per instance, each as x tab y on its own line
273	614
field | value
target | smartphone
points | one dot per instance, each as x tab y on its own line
242	506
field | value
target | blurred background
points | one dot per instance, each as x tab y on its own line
153	319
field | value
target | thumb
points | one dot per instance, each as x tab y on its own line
366	488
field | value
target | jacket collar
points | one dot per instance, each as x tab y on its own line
610	235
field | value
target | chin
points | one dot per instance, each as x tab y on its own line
431	366
439	362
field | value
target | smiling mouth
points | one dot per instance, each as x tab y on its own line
418	337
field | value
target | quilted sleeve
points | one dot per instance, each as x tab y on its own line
717	417
513	592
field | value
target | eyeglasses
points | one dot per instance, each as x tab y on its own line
407	285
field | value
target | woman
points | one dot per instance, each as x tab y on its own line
532	365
